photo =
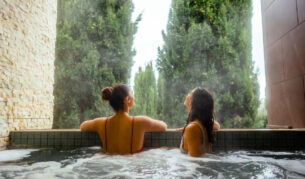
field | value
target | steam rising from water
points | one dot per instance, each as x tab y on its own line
11	155
155	163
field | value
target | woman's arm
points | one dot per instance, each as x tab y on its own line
157	125
152	125
90	125
216	125
179	129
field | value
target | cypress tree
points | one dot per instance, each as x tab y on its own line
145	92
93	50
208	44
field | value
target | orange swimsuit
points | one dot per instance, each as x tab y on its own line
202	132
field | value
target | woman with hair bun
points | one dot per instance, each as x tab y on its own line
197	135
121	133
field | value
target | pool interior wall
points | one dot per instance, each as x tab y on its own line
226	139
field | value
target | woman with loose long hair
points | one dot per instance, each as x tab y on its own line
197	136
121	133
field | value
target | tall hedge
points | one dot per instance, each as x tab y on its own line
93	50
145	92
208	44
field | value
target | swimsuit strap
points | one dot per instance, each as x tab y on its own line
182	139
202	132
106	135
131	134
195	122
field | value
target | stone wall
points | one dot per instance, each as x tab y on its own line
27	53
284	45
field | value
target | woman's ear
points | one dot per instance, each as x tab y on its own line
126	100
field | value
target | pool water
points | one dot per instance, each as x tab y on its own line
153	163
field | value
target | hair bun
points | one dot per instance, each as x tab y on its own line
107	93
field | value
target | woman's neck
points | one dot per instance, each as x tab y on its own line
123	112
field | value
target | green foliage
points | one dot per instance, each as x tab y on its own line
93	50
145	91
160	98
208	44
262	118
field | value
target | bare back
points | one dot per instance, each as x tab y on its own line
123	134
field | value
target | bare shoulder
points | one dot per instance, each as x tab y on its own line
192	129
97	120
91	125
150	125
100	119
142	119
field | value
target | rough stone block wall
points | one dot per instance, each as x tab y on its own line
27	54
284	45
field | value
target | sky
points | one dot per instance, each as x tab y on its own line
148	37
154	19
258	47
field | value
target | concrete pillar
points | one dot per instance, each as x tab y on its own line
284	46
27	54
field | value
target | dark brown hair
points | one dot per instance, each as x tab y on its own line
116	95
202	109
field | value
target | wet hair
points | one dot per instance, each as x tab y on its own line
202	109
116	95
